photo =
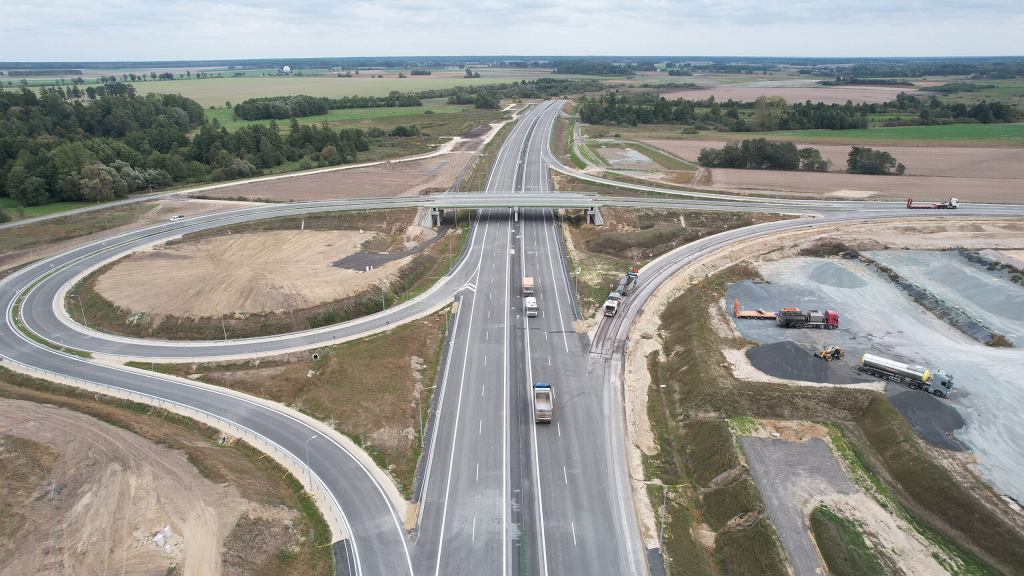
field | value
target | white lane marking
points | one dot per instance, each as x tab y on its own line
573	524
474	528
480	428
558	425
478	472
506	497
533	441
551	266
565	475
485	360
549	360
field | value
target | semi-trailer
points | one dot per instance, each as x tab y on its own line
917	377
796	318
528	286
950	204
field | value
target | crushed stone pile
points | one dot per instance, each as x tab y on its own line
794	361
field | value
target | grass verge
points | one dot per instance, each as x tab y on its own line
376	390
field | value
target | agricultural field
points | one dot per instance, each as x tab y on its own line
227	118
216	91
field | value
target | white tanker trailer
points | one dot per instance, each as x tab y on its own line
917	377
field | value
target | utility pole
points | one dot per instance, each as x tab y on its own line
222	327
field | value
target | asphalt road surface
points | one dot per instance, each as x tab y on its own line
500	494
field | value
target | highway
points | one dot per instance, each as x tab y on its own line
500	495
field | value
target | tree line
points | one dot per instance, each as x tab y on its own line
281	107
591	68
55	149
773	113
762	154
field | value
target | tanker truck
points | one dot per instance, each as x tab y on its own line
917	377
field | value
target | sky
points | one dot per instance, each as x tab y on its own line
105	30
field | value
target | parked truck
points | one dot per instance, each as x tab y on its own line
796	318
917	377
950	204
543	403
528	286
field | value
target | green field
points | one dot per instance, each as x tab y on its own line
227	118
215	91
11	208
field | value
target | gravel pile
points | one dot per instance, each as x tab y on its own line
794	361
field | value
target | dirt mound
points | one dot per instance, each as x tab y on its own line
832	274
794	361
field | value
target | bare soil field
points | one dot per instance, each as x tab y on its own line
936	173
954	162
83	496
388	179
826	94
861	186
242	273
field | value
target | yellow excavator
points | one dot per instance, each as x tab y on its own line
831	353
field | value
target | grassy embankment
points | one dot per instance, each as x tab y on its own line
374	390
633	237
412	279
876	443
256	477
842	545
29	236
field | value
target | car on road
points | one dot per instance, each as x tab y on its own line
176	218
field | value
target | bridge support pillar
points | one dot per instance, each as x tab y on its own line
594	217
436	217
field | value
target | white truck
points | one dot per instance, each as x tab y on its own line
528	286
543	403
611	307
531	307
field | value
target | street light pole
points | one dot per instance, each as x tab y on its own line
309	473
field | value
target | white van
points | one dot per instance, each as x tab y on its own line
531	307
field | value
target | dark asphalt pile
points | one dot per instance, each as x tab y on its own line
794	361
934	419
361	260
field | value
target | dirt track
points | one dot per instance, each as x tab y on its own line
242	273
102	494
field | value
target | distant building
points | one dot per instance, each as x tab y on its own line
286	71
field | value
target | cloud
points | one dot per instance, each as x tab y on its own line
196	29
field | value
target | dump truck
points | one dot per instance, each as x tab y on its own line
796	318
611	307
628	282
528	286
950	204
543	403
915	376
531	307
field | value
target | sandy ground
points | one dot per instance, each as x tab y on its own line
625	158
242	273
794	93
159	211
930	234
387	179
795	471
992	174
109	492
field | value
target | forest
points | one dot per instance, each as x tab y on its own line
53	148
